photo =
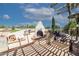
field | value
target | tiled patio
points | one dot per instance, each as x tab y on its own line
40	48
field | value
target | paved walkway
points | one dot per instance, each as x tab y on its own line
40	48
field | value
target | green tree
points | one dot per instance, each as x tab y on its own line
13	28
70	26
53	24
2	26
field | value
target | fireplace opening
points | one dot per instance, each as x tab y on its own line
39	33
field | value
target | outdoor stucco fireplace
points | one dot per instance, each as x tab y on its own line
40	29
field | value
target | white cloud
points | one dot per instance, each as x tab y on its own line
29	5
6	16
58	24
39	14
36	17
62	20
40	11
25	23
23	5
60	17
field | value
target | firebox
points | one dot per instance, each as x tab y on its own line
39	33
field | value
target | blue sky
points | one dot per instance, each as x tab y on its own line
15	14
